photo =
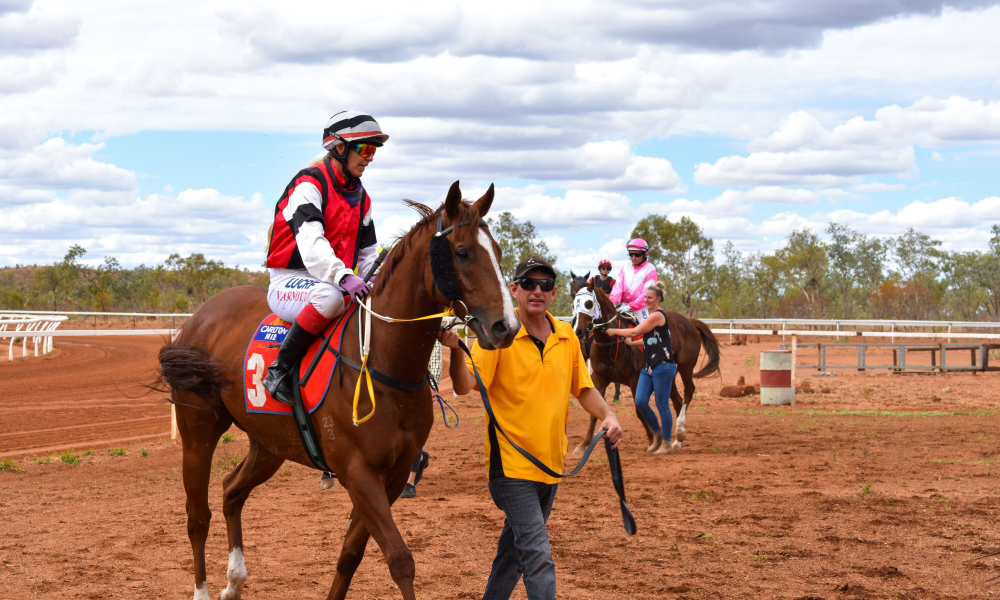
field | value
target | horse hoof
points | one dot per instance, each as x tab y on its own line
676	445
578	450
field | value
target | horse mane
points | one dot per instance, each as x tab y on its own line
400	246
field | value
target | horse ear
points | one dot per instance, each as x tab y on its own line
587	276
453	200
571	275
484	203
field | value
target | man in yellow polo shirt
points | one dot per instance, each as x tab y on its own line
529	385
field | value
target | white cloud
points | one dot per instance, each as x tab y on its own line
574	210
881	187
59	165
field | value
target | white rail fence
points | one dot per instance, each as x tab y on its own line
854	328
39	329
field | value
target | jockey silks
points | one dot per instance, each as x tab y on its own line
321	226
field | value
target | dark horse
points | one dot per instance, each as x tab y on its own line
205	366
610	360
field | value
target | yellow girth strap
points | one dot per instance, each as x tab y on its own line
365	347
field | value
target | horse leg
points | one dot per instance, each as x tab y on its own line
351	554
258	466
682	412
355	541
371	502
200	427
618	393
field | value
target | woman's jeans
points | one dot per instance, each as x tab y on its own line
660	381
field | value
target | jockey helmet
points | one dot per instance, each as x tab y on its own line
604	263
637	245
350	126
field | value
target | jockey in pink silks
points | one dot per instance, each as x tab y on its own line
633	280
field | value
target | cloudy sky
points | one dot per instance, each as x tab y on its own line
142	129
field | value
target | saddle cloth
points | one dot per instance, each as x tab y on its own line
263	349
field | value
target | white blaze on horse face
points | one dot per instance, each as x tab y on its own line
201	592
236	574
508	303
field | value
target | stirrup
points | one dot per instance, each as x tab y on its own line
278	385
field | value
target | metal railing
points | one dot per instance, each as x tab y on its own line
781	327
25	326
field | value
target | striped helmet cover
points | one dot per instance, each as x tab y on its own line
352	126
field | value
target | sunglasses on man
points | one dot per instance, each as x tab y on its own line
365	151
605	268
528	284
636	253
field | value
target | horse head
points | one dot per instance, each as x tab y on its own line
464	271
585	307
577	282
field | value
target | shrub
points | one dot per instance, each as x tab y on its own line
228	438
143	452
69	457
117	451
7	464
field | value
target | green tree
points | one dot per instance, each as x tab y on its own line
519	240
684	257
803	262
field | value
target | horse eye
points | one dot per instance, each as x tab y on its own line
589	304
462	253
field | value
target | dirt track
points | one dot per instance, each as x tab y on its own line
765	503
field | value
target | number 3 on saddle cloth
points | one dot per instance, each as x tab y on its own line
263	349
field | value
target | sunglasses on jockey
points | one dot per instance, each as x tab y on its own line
529	284
365	151
604	268
637	254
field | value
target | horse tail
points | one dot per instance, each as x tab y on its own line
190	369
711	346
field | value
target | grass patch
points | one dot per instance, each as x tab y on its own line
143	452
702	495
866	491
116	451
228	438
90	452
7	464
69	457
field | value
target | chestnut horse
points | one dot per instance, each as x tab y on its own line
610	359
205	371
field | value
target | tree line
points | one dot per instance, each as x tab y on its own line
848	275
179	285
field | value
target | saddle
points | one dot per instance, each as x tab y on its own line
628	316
315	372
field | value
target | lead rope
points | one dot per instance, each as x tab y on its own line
365	342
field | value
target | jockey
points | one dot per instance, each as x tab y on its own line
604	280
633	280
322	241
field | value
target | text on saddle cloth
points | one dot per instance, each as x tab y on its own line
262	351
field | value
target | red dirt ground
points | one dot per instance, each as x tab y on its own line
881	488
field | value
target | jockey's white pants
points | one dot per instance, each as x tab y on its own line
642	314
291	289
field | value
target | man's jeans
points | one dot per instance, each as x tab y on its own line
523	548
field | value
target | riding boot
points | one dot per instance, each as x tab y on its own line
278	380
665	448
657	440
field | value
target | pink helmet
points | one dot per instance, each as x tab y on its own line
637	244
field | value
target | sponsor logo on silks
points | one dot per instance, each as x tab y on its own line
271	333
299	284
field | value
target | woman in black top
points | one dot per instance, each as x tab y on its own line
661	367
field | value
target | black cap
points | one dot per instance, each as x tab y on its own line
530	264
